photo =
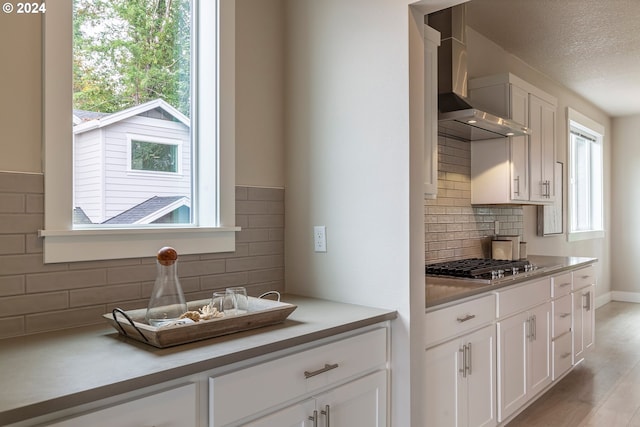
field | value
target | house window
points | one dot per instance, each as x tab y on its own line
154	156
145	145
586	207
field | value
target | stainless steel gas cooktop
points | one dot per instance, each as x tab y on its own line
479	270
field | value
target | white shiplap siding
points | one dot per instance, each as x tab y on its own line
105	184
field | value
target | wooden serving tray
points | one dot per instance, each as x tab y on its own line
262	312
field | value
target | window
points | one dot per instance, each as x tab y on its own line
586	219
154	156
136	156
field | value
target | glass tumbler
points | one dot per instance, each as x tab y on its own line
223	303
239	296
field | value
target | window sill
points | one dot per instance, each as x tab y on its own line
585	235
106	244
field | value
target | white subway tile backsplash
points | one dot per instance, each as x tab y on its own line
35	297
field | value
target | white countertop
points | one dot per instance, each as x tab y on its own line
48	372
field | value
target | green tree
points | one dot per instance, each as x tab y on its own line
127	52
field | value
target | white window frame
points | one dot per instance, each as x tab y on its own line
589	127
216	227
179	144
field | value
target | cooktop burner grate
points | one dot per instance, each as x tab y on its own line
474	267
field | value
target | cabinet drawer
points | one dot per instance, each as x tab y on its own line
172	408
584	277
561	355
561	315
522	297
458	319
248	391
562	284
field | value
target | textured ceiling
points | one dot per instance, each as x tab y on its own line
589	46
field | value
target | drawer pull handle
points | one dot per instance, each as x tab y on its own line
465	318
562	285
563	315
326	368
565	355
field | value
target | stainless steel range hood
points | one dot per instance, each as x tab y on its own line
457	118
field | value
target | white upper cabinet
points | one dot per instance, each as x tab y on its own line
542	122
520	169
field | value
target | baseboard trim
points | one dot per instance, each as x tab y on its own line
603	299
625	296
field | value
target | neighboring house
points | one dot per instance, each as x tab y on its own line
133	166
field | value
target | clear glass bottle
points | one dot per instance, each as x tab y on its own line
167	301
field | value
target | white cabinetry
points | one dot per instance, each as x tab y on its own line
331	378
542	122
516	169
172	408
561	338
524	345
461	381
431	43
460	373
584	282
357	403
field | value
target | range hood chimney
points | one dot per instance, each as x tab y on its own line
457	118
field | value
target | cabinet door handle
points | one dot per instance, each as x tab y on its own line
563	315
327	415
587	297
469	359
534	334
548	185
314	418
326	368
466	317
517	181
462	352
565	355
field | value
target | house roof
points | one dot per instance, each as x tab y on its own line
88	120
81	116
80	217
149	210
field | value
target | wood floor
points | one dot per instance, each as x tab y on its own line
605	390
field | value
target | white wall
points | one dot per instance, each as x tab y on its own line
350	140
20	86
625	230
487	58
260	93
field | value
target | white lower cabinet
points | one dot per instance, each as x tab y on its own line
583	321
561	341
461	381
345	379
172	408
524	358
488	357
341	381
583	296
358	403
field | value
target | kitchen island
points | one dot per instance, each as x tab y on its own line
441	292
58	371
